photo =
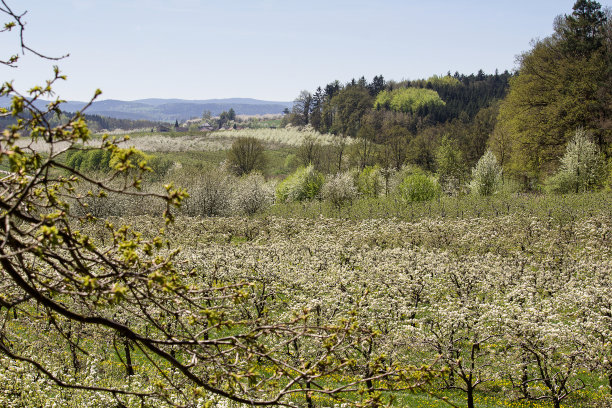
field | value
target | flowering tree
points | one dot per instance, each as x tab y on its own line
192	334
487	175
582	167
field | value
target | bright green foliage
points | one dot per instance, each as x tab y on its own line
582	167
408	100
100	160
304	184
369	181
447	80
486	176
89	160
418	187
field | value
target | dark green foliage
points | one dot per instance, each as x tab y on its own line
583	30
377	85
96	123
463	96
410	129
347	110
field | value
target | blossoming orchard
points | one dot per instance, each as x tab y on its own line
383	244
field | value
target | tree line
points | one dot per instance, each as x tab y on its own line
563	84
407	119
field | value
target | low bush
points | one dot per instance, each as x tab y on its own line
418	187
252	194
209	194
304	184
369	181
340	189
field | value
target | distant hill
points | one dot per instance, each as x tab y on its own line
170	110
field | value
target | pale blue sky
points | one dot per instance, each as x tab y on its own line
268	49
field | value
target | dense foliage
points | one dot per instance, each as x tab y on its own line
563	83
408	100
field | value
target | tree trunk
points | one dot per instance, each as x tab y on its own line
470	397
129	368
309	397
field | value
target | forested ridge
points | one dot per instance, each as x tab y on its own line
527	117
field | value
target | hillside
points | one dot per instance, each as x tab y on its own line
170	110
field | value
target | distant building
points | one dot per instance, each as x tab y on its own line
206	127
191	122
163	128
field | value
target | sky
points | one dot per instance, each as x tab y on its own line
265	49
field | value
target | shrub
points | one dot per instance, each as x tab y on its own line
89	160
340	189
582	167
450	167
246	155
252	194
304	184
369	181
486	176
209	194
418	187
159	167
291	162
